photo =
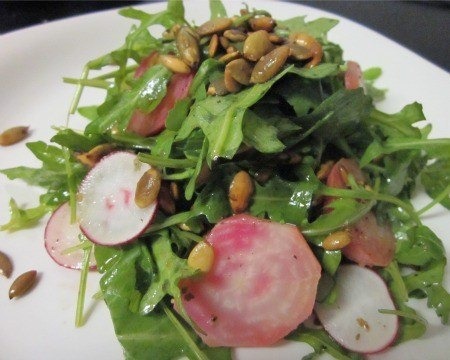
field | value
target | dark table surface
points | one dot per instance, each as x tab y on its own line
421	26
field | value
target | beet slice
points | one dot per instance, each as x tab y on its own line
262	284
106	209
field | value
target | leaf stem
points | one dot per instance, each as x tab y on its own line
79	320
436	201
200	355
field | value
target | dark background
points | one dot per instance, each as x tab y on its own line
421	26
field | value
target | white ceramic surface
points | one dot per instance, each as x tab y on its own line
32	64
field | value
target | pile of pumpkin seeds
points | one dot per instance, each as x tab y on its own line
248	46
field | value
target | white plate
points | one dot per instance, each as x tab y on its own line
33	61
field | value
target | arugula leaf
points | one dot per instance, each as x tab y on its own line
23	218
125	273
433	147
260	134
321	342
217	9
317	28
435	178
146	94
170	270
284	201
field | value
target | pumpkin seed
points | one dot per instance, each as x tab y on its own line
187	45
23	284
309	43
229	57
166	201
275	39
269	65
325	170
217	87
336	240
214	26
240	70
201	257
257	45
5	265
234	35
224	42
299	52
262	23
147	188
174	190
94	155
240	192
213	45
13	135
230	84
174	64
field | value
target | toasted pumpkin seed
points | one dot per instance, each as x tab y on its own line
174	190
187	45
240	70
147	188
336	240
262	23
240	191
214	26
257	45
5	265
299	52
230	84
269	65
201	257
166	201
325	170
217	87
229	57
174	64
13	135
23	284
311	44
94	155
224	42
213	45
275	39
235	35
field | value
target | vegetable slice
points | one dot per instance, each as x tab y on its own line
154	122
354	320
371	244
261	287
106	208
353	75
60	235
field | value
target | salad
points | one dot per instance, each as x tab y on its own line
255	174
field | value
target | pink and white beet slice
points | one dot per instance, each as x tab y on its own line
354	320
60	235
106	209
262	284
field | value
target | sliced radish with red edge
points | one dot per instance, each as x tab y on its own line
354	320
60	235
262	284
106	209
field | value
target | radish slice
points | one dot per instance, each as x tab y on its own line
262	284
60	235
106	209
353	320
353	75
371	244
